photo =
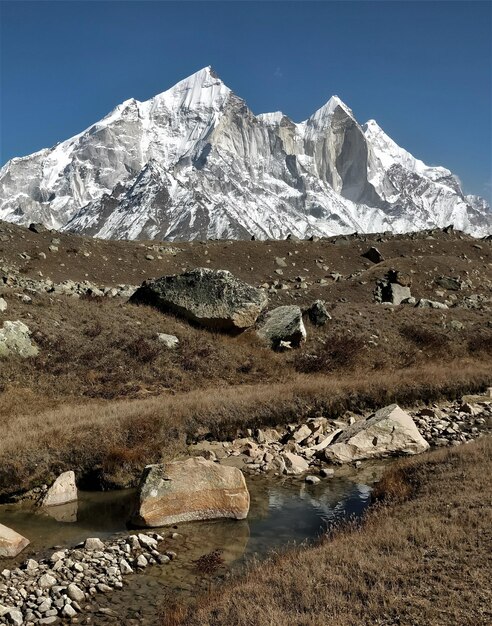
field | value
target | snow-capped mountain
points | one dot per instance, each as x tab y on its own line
194	162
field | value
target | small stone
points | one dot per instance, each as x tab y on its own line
327	472
46	581
142	561
93	543
75	593
69	611
125	567
312	480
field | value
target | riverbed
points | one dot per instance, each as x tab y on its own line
283	512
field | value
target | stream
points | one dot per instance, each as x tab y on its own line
283	512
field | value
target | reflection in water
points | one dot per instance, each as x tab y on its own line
62	513
282	512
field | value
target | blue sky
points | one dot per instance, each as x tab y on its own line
423	70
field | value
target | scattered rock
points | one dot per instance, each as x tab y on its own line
374	255
195	489
282	324
37	228
318	314
62	491
423	303
213	298
451	284
169	341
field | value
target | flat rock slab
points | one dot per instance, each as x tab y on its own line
212	298
390	431
195	489
11	543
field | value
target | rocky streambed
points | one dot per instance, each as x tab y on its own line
121	576
84	564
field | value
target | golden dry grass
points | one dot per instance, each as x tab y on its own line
422	559
108	443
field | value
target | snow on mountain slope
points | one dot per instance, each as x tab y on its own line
195	162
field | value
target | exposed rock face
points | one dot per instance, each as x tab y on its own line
62	491
388	432
212	298
318	313
15	339
11	543
195	489
283	324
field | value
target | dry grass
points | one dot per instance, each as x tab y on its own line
108	443
423	560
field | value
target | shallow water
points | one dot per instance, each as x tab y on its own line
282	512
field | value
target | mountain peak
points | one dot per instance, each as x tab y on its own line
327	110
203	88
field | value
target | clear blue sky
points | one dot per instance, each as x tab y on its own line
421	69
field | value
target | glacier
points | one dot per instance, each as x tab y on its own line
195	162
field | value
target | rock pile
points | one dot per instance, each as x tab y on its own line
456	424
311	445
12	278
41	592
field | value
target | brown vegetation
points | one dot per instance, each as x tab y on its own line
108	443
421	557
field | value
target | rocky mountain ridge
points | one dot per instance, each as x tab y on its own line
195	163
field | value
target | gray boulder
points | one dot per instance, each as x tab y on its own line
390	431
15	340
283	324
374	255
449	283
396	294
318	314
212	298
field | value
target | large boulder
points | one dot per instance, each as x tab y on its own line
195	489
15	339
62	491
390	431
11	543
283	324
213	298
